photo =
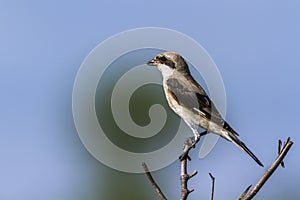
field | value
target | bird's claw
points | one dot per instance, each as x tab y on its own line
190	143
184	155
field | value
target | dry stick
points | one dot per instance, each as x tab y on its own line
184	176
157	189
279	151
212	186
269	172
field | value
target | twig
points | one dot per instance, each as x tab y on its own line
184	176
279	151
212	186
245	192
269	172
156	187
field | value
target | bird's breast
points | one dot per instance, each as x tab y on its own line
188	115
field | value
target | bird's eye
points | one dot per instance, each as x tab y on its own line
163	58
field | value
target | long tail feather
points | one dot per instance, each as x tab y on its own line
242	146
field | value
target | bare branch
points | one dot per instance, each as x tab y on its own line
269	172
212	186
184	176
156	187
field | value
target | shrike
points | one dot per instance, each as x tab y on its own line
189	100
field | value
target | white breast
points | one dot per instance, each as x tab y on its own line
165	70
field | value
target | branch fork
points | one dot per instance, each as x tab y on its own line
279	161
185	177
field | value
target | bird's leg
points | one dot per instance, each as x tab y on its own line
197	137
191	143
203	133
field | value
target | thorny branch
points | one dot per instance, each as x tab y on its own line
279	161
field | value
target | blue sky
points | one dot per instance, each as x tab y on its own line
255	45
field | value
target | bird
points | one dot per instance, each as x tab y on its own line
190	101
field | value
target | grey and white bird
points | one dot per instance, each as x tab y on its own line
189	100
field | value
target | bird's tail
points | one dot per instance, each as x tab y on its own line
233	138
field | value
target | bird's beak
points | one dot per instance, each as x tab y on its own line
151	63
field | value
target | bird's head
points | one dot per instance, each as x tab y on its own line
169	62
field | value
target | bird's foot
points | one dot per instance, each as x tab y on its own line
189	144
184	155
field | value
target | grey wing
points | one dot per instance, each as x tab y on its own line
192	96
